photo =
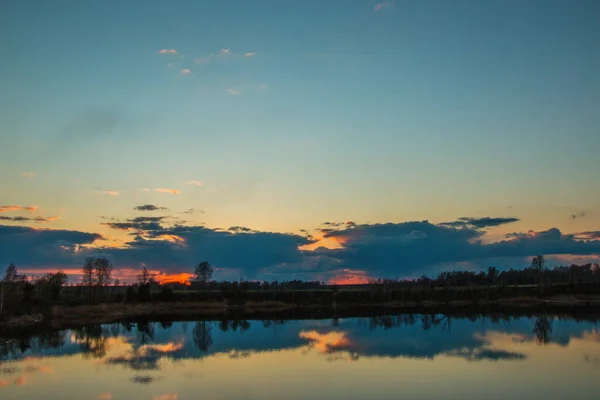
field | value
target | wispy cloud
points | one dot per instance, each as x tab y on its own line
383	6
232	91
106	396
46	219
222	55
28	174
30	209
149	207
168	51
164	190
110	192
196	183
185	71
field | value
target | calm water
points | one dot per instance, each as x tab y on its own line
408	357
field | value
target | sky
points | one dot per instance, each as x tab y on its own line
145	133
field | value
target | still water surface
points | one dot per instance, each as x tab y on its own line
407	357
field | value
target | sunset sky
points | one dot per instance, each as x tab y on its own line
335	140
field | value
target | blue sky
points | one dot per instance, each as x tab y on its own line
291	114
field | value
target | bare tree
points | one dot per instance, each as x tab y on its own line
203	272
103	270
88	275
145	277
11	273
538	263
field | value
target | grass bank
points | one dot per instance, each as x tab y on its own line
62	317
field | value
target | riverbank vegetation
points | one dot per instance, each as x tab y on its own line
99	297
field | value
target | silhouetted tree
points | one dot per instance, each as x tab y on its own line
202	335
542	329
145	277
538	264
203	272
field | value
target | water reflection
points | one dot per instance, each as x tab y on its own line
158	358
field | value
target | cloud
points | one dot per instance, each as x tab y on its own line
232	91
385	5
168	51
105	396
149	207
28	174
580	214
14	219
480	223
191	211
224	54
142	379
197	183
110	192
185	71
138	224
589	235
163	190
362	251
41	247
30	209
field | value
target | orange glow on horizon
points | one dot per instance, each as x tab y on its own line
182	278
351	277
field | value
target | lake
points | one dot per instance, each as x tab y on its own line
386	357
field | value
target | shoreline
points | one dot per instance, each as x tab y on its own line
65	317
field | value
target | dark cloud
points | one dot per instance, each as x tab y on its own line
149	207
138	224
27	246
580	214
191	211
393	250
589	235
478	354
409	248
16	219
479	223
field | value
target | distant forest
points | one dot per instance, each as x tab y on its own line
21	295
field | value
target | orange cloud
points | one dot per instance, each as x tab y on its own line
186	71
171	238
105	396
21	381
170	347
163	190
172	396
197	183
3	383
167	51
18	208
110	192
28	174
326	342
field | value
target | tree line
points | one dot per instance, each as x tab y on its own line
20	294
